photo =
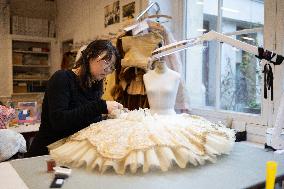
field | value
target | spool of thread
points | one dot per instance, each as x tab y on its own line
50	164
271	169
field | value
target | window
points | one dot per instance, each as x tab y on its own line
220	76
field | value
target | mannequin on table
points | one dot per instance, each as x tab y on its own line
161	85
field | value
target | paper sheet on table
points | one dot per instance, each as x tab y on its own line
10	178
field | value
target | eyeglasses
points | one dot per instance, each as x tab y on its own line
108	67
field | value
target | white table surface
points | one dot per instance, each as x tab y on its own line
245	166
25	128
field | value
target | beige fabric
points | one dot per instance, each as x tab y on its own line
138	139
109	84
138	49
136	86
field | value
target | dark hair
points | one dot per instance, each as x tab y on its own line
93	50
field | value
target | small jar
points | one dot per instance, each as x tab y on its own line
50	164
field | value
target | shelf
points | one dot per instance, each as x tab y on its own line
31	79
30	93
31	66
31	38
30	52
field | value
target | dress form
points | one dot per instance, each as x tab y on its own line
161	86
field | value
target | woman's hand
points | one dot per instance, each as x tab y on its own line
113	105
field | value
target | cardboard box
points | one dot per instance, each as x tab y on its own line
17	58
20	88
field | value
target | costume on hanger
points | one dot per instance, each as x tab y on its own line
138	49
135	51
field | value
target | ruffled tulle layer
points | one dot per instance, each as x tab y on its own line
137	140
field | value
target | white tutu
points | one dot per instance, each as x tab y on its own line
137	139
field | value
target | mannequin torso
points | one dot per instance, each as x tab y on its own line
161	85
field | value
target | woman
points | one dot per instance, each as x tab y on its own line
72	100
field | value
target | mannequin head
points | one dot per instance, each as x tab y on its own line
160	66
98	60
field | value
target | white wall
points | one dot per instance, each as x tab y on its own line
174	9
83	20
276	30
33	9
6	84
5	51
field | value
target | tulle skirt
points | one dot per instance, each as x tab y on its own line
138	140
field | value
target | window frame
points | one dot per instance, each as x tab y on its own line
215	112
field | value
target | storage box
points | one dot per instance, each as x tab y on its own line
17	58
20	88
36	49
43	62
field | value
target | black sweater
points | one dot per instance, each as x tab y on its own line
66	109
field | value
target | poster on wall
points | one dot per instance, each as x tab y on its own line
112	13
128	11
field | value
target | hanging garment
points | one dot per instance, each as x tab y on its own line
137	139
136	86
108	84
134	102
135	51
138	49
130	90
173	62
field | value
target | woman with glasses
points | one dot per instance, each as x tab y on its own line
72	100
